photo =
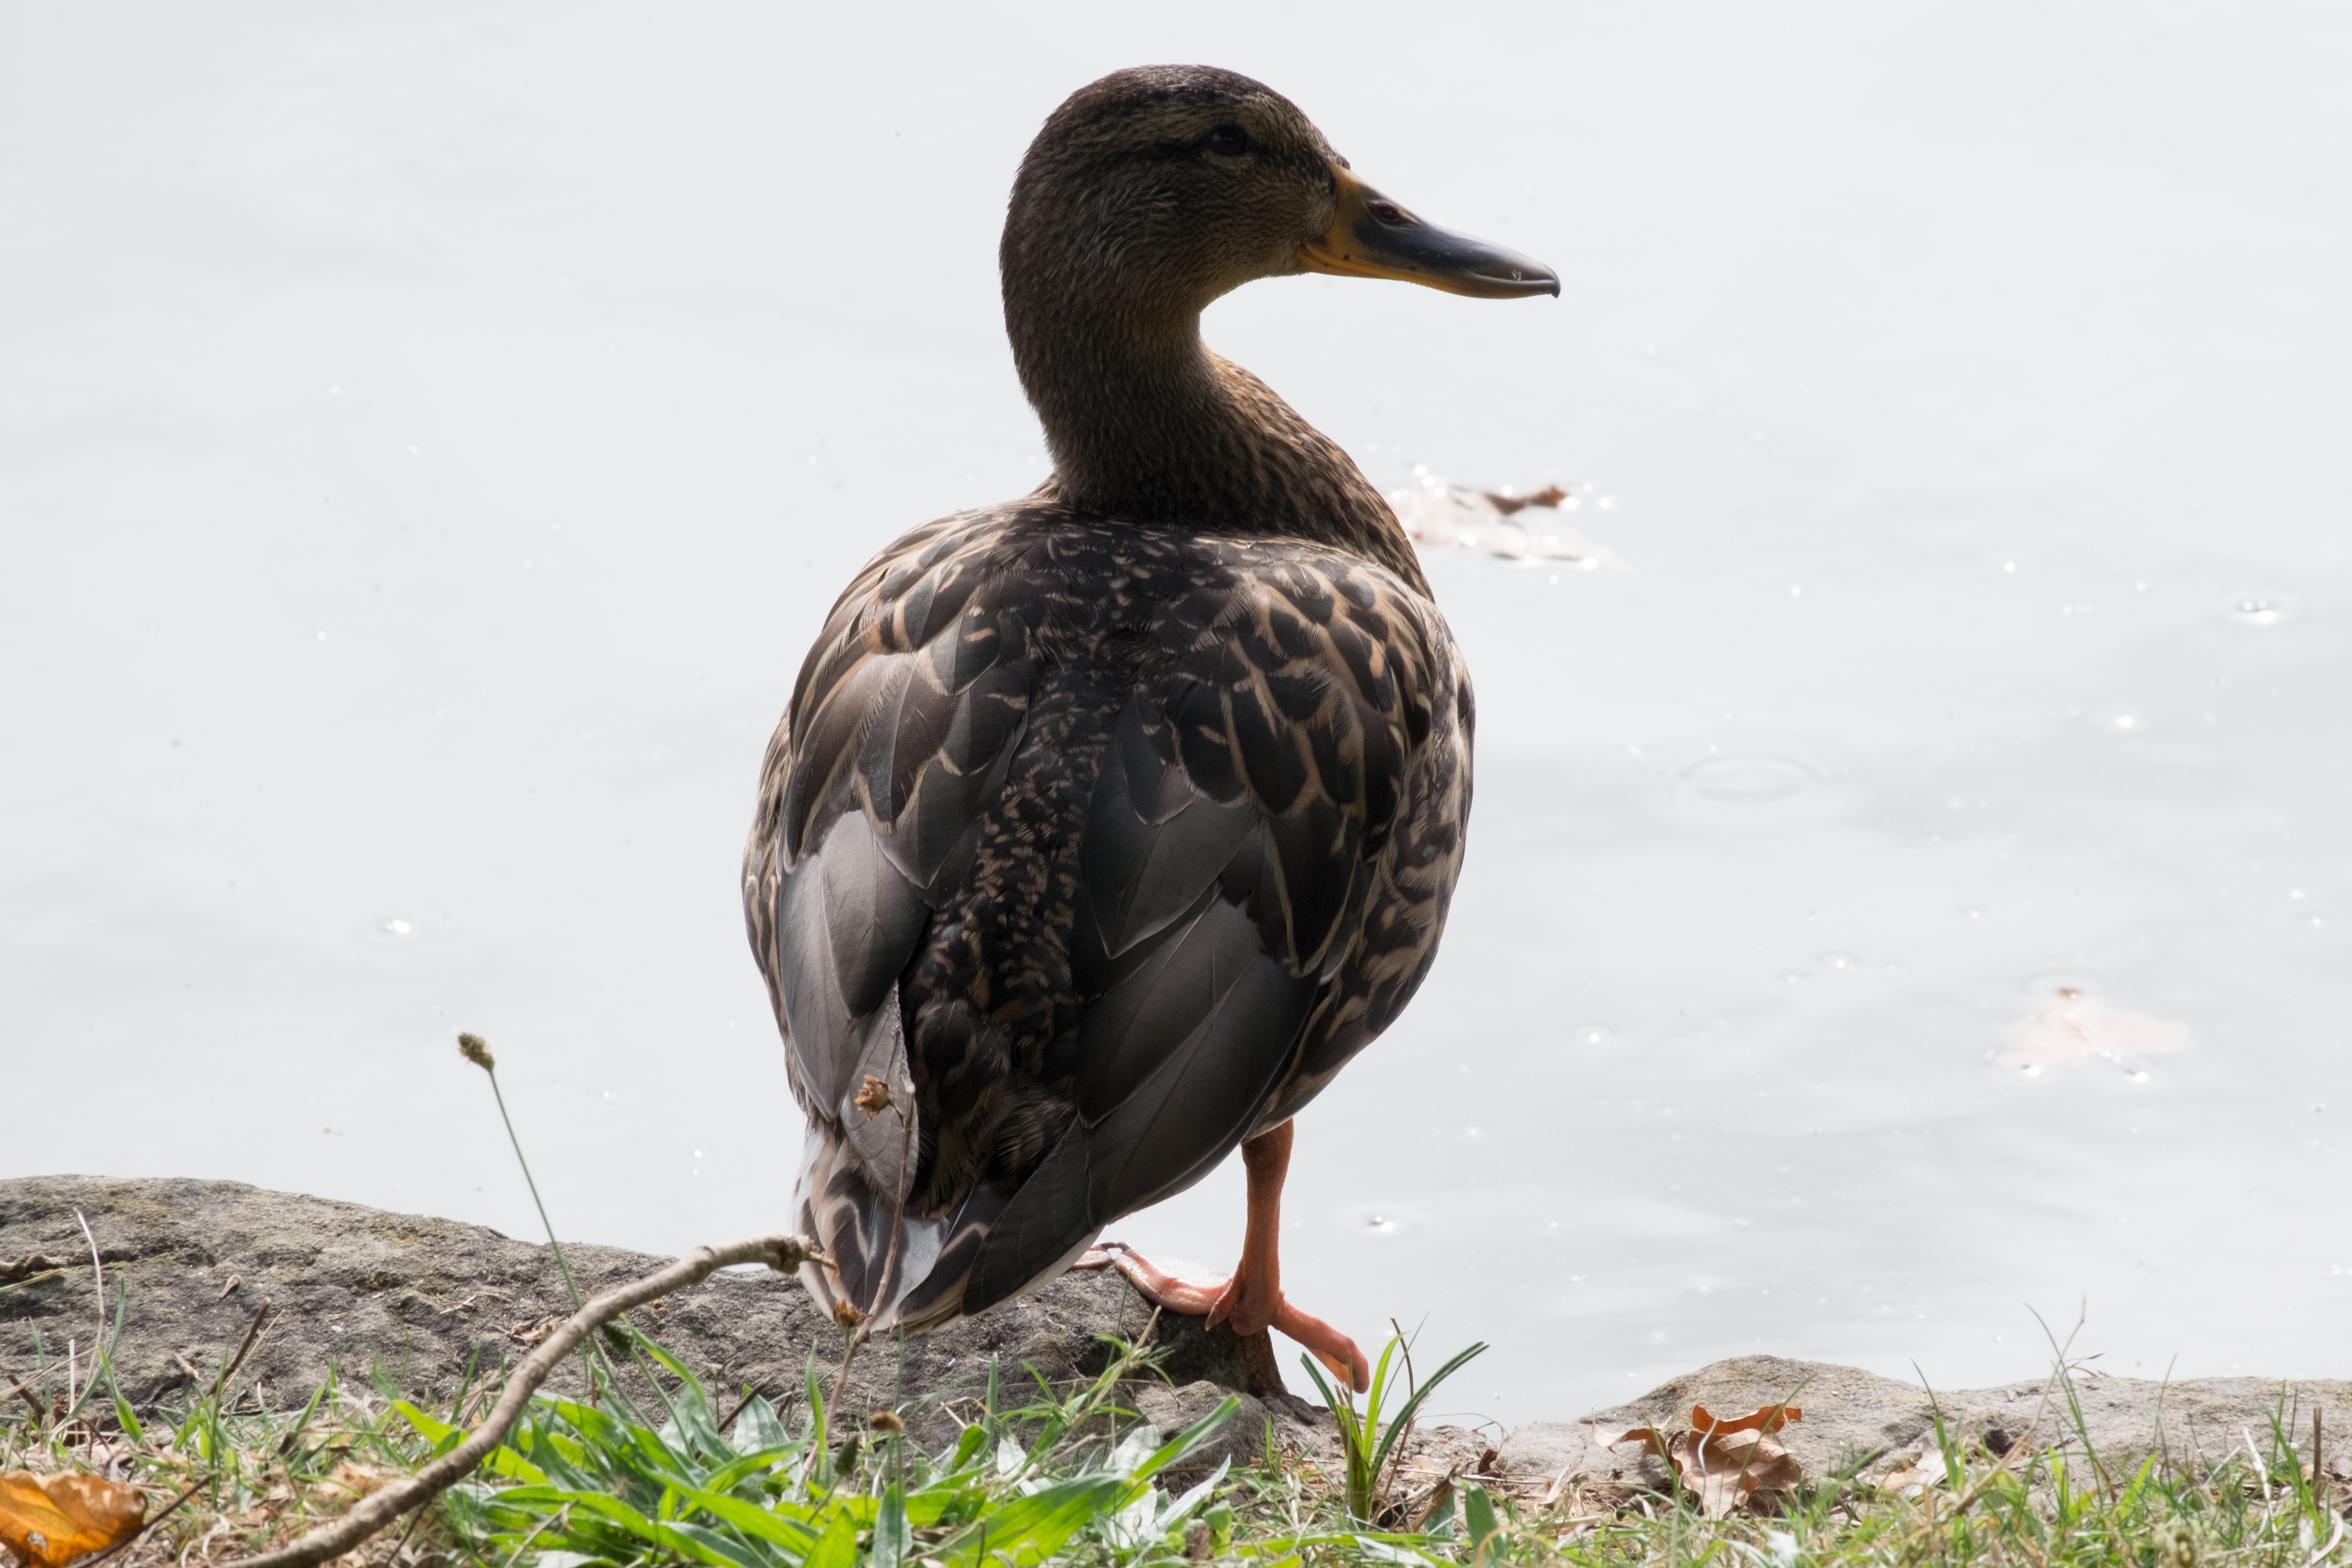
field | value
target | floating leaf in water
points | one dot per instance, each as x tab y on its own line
2074	1027
1493	523
1725	1460
1507	503
51	1520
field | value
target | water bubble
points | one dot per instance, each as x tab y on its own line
2260	609
1590	1035
398	927
1749	780
1756	782
1840	961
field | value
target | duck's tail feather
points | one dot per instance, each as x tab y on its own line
943	1268
858	1222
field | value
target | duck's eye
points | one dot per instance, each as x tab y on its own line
1229	139
1390	212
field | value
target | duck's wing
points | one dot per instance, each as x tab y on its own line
1097	818
899	730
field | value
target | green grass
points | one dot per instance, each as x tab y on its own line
1041	1476
1371	1449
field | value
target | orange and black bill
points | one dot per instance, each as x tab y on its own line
1372	236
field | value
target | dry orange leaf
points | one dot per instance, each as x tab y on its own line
1772	1419
1725	1461
52	1520
874	1096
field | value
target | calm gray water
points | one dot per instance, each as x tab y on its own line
1916	890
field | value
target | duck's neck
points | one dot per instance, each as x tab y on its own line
1146	423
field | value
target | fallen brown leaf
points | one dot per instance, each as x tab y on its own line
1726	1460
1913	1473
531	1330
346	1484
52	1520
1772	1419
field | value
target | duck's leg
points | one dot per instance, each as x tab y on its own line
1252	1298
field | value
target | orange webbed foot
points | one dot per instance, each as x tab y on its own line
1236	1299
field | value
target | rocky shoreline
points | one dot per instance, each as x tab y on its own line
410	1303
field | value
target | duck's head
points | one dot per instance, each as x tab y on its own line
1145	196
1153	190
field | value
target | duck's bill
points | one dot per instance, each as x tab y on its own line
1372	236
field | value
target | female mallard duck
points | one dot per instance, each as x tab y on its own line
1105	825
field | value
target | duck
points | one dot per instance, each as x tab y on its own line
1103	828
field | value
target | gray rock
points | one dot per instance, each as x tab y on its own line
1854	1420
414	1302
1240	1442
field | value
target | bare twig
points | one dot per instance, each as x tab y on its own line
41	1411
783	1253
253	1333
402	1544
851	1337
128	1541
750	1394
561	1516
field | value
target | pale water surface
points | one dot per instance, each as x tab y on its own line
429	437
